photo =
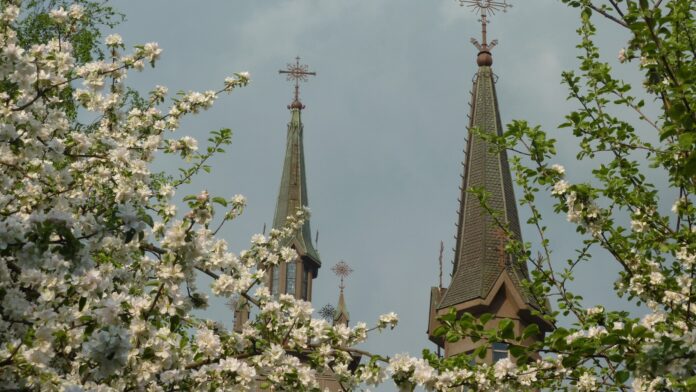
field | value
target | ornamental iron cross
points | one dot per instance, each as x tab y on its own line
297	72
327	312
485	8
342	270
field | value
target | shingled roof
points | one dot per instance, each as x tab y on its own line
292	195
479	255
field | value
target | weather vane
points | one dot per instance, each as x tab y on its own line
297	72
485	8
342	270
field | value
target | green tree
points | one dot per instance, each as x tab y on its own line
83	32
619	211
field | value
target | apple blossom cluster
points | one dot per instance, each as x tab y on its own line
97	268
665	287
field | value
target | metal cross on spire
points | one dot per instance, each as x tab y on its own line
297	72
485	8
342	270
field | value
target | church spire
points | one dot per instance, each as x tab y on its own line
478	261
295	278
484	278
341	315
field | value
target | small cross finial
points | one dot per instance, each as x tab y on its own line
298	73
485	8
342	270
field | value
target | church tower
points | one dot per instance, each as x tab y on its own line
295	278
485	279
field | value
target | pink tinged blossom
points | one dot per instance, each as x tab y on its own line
622	55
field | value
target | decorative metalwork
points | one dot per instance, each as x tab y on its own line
298	73
327	312
485	8
342	270
442	250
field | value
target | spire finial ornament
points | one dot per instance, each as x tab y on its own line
485	8
297	72
327	312
342	270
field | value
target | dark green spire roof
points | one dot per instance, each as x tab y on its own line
479	258
293	189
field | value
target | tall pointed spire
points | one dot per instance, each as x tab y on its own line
478	260
484	278
295	278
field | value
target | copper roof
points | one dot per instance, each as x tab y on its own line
479	253
292	195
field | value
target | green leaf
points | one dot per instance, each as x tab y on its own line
220	200
148	220
506	329
148	353
530	331
174	323
129	236
622	376
452	337
480	351
516	351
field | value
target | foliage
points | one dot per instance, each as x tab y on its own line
619	211
97	270
83	30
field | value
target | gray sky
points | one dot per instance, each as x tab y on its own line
385	125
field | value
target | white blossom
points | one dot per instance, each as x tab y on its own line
59	15
587	382
560	187
114	40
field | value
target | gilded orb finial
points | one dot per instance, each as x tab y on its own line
298	73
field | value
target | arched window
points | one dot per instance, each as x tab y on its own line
305	285
275	280
290	277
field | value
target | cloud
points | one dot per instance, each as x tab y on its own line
279	28
452	14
